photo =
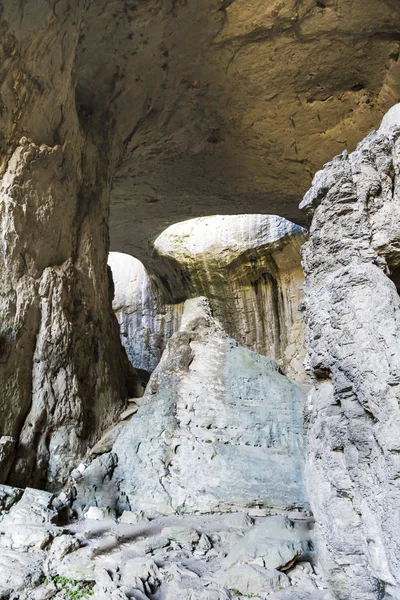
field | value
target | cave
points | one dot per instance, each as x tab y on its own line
199	342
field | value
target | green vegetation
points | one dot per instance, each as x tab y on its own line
74	590
238	593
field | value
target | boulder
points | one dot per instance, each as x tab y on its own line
183	535
278	542
251	579
219	427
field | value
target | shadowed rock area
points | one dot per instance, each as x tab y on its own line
198	105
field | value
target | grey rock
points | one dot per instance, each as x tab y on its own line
20	570
252	579
144	569
106	443
226	539
8	497
44	593
63	545
352	313
34	508
193	447
25	537
51	378
233	261
132	518
79	565
187	586
129	412
185	536
151	544
96	513
204	544
295	594
239	521
278	542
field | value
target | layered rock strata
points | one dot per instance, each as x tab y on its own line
249	268
219	427
352	312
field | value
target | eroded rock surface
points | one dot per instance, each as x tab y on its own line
177	557
145	319
63	374
249	268
352	313
232	106
202	104
218	427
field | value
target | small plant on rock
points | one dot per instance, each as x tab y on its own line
73	590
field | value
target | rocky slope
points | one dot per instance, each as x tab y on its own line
214	557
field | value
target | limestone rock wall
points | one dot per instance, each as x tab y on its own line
352	312
248	266
63	374
218	427
146	321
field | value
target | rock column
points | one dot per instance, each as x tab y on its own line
63	374
352	314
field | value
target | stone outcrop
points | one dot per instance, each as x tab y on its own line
62	371
63	374
219	427
352	312
249	268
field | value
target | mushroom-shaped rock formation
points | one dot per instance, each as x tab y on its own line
249	268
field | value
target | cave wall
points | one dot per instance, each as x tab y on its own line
63	374
352	313
146	321
248	266
219	428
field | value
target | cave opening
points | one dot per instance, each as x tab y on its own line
247	266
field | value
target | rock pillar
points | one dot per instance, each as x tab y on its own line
352	314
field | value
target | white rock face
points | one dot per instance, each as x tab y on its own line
249	268
352	313
219	427
146	322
